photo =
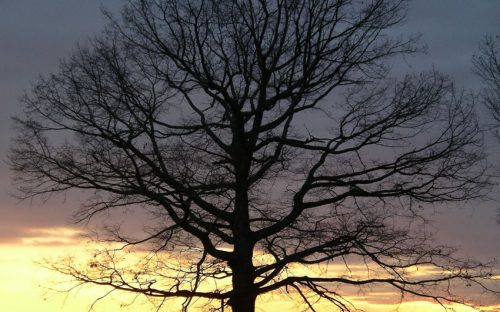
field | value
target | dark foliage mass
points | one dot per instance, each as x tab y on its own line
265	137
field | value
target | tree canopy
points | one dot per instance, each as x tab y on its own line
270	143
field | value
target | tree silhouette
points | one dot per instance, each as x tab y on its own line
487	66
265	137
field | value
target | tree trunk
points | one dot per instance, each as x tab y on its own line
244	295
243	303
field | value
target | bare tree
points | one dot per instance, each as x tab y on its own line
487	66
264	136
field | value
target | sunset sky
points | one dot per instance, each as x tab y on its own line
35	35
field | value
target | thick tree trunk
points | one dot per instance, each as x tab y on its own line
244	295
243	302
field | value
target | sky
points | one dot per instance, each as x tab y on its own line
35	35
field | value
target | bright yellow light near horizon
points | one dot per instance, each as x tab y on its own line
24	283
62	236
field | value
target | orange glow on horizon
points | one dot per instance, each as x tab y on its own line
24	284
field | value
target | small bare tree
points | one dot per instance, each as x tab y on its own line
264	136
487	66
